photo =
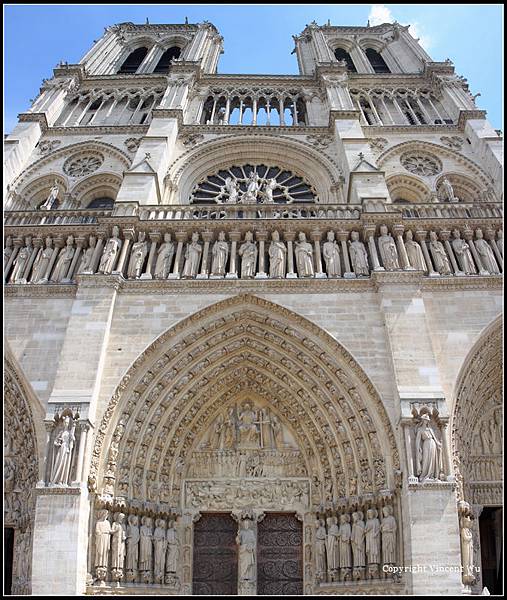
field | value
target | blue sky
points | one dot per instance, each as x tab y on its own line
257	39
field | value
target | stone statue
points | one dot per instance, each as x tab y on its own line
231	185
332	547
63	446
220	253
192	258
111	253
463	254
388	530
7	250
42	262
372	537
102	542
246	540
118	537
51	199
173	548
268	191
485	251
247	427
133	537
160	544
439	255
229	435
146	548
331	256
64	260
86	260
277	254
304	257
467	550
320	550
358	256
137	256
248	253
499	241
250	196
414	253
388	251
164	258
345	550
447	191
357	542
427	450
21	262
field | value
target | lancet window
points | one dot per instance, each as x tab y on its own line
133	60
166	59
342	54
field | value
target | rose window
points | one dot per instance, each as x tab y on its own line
421	164
253	184
79	166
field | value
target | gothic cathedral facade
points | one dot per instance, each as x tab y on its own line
253	323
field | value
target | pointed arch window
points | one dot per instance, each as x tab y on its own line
104	202
376	61
166	59
133	60
341	54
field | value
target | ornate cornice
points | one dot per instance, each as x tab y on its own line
94	129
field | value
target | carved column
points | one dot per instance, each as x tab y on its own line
70	274
234	236
402	251
490	235
343	236
319	274
58	243
155	238
181	237
289	237
83	432
207	236
369	233
468	235
476	510
261	237
188	520
128	236
420	236
444	236
18	242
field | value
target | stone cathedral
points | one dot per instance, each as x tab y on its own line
253	323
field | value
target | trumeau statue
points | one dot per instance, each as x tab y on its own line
102	541
111	253
192	258
231	185
358	256
388	251
64	260
164	258
388	530
463	254
133	536
250	196
247	572
248	253
277	254
439	255
159	544
320	550
486	253
220	253
332	546
51	199
357	542
372	536
118	537
21	262
414	253
137	256
345	550
42	262
63	447
304	257
86	260
427	451
331	256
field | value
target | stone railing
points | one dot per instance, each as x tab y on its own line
55	217
451	211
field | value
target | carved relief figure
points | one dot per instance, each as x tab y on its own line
231	185
447	191
467	550
414	253
250	196
388	529
63	262
160	544
486	254
304	257
111	253
52	197
388	251
248	427
427	448
268	191
277	254
173	548
102	542
372	536
118	537
42	262
164	258
246	560
248	253
331	256
192	258
358	256
463	254
133	536
63	446
146	548
357	542
332	547
220	253
137	256
320	550
21	262
345	549
439	255
86	260
229	434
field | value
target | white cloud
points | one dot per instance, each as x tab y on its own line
379	13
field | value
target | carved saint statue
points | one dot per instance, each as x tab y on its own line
439	255
304	257
331	256
133	537
414	253
372	536
220	253
164	258
485	252
137	256
388	251
146	546
248	253
7	250
192	258
357	541
447	191
250	196
268	191
388	530
160	544
246	560
51	199
21	262
102	539
86	260
229	430
345	550
231	185
111	253
358	256
64	260
277	253
320	550
247	426
467	550
42	262
118	537
173	549
463	254
427	449
63	446
332	546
